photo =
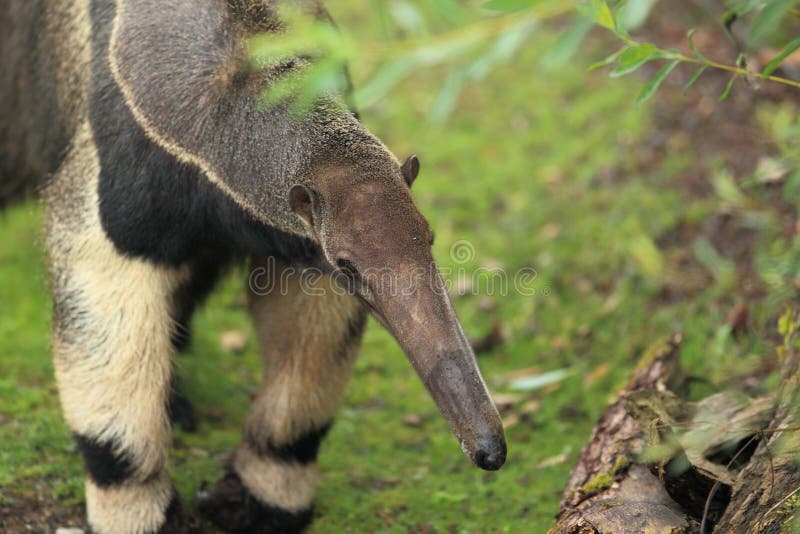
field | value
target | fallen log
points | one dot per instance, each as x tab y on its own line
657	463
608	491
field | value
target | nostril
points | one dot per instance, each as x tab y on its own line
489	461
491	458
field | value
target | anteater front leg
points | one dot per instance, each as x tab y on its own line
309	335
112	357
111	341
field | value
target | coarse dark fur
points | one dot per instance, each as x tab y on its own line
303	449
40	98
163	168
231	504
144	189
104	464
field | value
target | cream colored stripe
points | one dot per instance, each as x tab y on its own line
305	376
129	508
287	485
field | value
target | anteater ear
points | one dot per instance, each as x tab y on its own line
410	169
301	200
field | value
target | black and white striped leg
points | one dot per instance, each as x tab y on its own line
111	341
309	335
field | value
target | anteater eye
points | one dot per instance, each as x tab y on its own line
431	239
347	267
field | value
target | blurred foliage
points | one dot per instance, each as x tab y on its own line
472	39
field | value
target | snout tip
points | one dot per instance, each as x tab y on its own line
491	455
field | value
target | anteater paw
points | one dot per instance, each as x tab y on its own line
231	507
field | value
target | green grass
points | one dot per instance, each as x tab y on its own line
533	171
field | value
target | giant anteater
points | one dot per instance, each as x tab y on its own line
162	166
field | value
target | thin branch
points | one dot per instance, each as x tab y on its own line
717	483
715	65
736	70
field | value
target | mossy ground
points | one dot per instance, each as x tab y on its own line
543	170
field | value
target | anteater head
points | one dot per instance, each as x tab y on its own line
379	245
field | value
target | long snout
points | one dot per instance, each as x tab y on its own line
458	389
421	317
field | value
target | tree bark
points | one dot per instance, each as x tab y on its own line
606	491
696	481
762	499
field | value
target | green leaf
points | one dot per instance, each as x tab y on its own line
453	11
742	8
603	15
508	6
608	60
769	19
448	95
653	85
791	190
787	325
323	78
567	44
727	190
504	47
382	82
408	16
775	63
694	77
726	93
722	269
534	382
692	46
647	255
635	57
733	14
634	13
